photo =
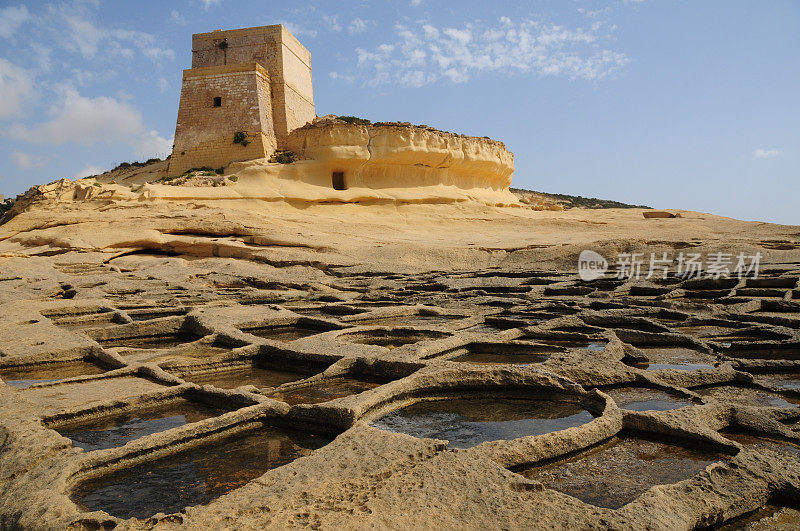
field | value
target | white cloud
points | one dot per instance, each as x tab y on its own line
427	54
89	77
77	33
359	25
91	121
208	3
593	13
157	54
299	31
11	18
27	160
176	18
74	30
332	23
43	56
151	144
337	75
88	170
16	89
765	153
415	3
163	84
120	40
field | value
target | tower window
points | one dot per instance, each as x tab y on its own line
217	102
338	180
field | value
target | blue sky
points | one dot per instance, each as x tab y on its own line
682	104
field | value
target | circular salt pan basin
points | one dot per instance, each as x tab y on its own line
392	338
467	422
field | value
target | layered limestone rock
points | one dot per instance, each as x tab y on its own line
399	156
335	162
115	310
126	315
349	163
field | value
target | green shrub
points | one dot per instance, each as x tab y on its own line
200	169
355	120
283	157
577	201
134	164
220	171
240	137
233	178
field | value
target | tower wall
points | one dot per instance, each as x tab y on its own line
293	92
263	76
204	133
287	61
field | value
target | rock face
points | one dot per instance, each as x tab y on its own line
400	156
337	163
144	340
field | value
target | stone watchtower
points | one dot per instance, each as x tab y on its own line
255	81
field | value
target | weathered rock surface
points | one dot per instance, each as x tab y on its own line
375	156
380	164
159	297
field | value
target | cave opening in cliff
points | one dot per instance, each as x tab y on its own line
338	180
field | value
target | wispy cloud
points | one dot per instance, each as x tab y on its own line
176	18
88	170
90	121
11	18
208	3
16	88
27	161
298	30
359	25
85	78
331	23
157	55
765	153
71	26
593	13
43	56
426	53
343	77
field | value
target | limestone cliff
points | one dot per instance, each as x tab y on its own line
399	156
394	163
